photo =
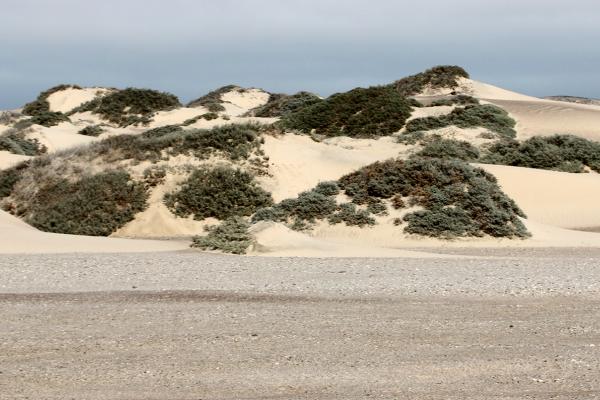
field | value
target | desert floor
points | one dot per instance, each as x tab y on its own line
478	324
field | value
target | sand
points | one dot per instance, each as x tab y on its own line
18	237
8	160
66	100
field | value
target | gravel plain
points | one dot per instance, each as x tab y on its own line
496	324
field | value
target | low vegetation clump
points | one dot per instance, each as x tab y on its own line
130	106
486	116
316	204
235	141
458	200
9	178
461	100
372	112
95	205
231	236
41	104
49	118
449	149
220	192
281	105
17	143
92	130
209	116
559	152
443	76
212	101
9	117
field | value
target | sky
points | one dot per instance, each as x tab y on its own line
189	47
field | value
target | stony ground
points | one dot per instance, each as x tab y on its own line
501	324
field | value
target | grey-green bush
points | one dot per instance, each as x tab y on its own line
231	236
220	192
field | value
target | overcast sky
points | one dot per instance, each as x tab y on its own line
187	47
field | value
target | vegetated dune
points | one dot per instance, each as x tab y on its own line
297	163
555	202
18	237
553	198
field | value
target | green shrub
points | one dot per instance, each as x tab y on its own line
49	118
235	141
351	216
16	143
443	76
207	116
486	116
9	178
439	185
376	111
96	205
41	105
130	106
559	152
92	130
212	101
460	99
220	192
154	176
231	236
449	149
329	188
281	105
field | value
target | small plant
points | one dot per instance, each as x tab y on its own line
486	115
559	152
92	130
154	176
9	178
351	216
15	142
460	99
220	192
212	101
443	76
372	112
231	236
130	106
281	105
449	149
49	118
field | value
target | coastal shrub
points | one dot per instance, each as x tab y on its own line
372	112
351	216
92	130
566	153
9	117
95	205
49	118
9	178
17	143
437	185
219	192
209	116
443	76
460	99
235	141
154	176
41	104
441	222
212	101
230	236
486	116
449	149
328	188
130	106
280	105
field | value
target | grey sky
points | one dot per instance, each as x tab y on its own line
538	47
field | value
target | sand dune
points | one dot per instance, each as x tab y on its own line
554	198
66	100
8	160
18	237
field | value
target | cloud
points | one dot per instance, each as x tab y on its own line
189	47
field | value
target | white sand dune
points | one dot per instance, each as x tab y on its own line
554	198
66	100
238	102
18	237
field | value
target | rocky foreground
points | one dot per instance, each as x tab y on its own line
476	324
